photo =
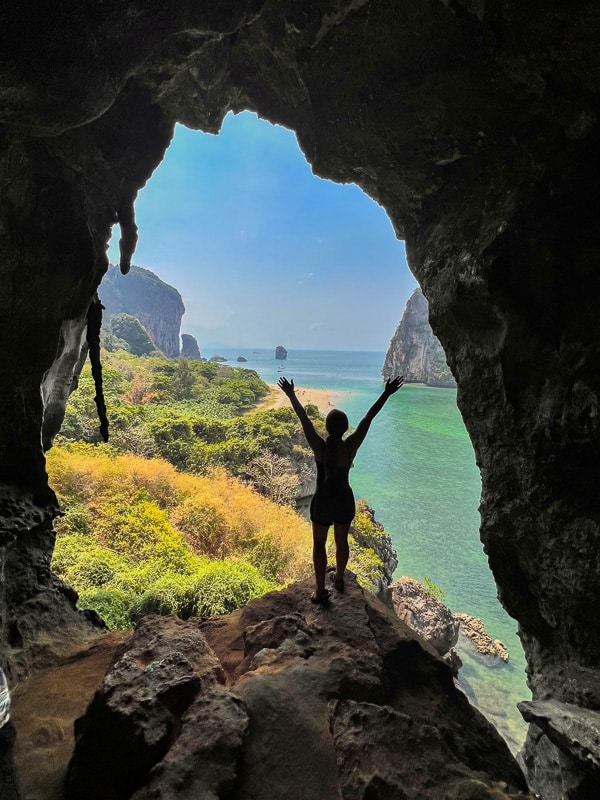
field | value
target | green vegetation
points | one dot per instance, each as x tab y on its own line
137	537
433	590
128	329
189	508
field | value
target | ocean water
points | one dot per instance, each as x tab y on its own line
417	470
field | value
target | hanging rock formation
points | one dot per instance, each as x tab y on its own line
414	351
474	123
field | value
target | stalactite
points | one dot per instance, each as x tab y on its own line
94	323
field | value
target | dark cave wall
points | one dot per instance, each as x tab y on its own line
475	124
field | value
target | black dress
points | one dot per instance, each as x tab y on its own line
333	500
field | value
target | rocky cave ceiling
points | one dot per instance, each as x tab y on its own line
473	122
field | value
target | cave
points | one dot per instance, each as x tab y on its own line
475	125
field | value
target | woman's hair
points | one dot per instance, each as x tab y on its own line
336	422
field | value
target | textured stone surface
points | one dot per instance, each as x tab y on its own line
284	699
143	295
43	709
474	629
38	619
414	351
474	124
426	615
141	707
573	737
189	347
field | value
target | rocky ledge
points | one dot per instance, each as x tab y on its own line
474	629
284	699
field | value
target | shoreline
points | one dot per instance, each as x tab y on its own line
324	399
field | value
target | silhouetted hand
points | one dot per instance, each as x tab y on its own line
285	386
393	384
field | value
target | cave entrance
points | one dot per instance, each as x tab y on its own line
263	254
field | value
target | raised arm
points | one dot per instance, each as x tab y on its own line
312	437
357	438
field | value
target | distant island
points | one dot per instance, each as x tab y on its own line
281	353
415	351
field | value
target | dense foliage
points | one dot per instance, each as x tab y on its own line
139	536
189	509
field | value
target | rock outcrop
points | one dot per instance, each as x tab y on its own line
189	347
381	544
143	295
474	629
474	125
424	614
284	699
415	352
281	353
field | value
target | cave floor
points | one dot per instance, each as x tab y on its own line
44	708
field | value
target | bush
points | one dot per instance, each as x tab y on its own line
171	594
218	588
111	604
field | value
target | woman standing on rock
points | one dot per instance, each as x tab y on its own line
333	501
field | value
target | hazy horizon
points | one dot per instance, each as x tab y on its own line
262	250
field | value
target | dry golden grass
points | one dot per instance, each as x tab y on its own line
218	515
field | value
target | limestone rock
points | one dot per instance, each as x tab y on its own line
381	545
138	711
241	359
189	347
282	697
281	353
425	614
218	359
414	351
143	295
571	739
474	629
474	125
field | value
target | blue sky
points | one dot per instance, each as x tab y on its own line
262	251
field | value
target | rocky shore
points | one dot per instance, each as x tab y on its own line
417	606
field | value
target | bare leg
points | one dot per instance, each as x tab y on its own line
342	551
319	554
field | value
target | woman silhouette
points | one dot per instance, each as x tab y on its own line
333	501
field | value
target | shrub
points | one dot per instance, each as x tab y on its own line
111	604
217	588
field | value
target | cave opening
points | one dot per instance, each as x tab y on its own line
235	222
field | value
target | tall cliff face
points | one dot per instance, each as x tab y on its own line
142	294
475	125
415	351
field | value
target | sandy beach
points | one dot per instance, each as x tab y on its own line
323	399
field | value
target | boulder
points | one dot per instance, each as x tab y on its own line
284	699
425	614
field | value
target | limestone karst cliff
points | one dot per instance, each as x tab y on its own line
143	295
475	125
189	347
414	350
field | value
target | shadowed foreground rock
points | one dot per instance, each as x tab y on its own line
283	699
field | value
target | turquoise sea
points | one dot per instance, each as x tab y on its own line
417	470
